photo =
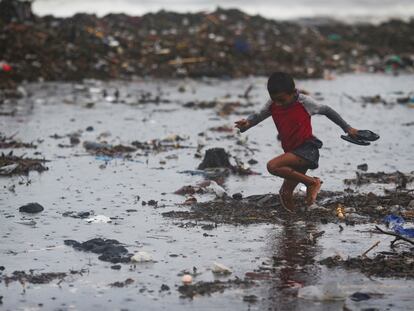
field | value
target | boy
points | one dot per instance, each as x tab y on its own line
291	112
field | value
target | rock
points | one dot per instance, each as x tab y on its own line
31	208
152	203
360	296
215	157
252	162
90	145
110	250
363	167
250	298
116	267
74	140
237	196
164	287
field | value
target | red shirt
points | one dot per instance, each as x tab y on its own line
293	124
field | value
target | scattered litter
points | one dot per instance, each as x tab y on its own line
387	264
101	149
98	219
141	257
250	298
110	250
213	187
187	279
42	278
167	44
326	292
10	142
125	283
208	288
81	215
14	165
396	224
384	178
220	269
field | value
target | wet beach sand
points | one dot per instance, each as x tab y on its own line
118	151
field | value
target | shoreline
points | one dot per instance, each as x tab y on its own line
220	44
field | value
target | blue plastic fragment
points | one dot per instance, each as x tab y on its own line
408	232
393	220
396	224
104	158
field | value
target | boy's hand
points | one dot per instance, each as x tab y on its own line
352	132
242	124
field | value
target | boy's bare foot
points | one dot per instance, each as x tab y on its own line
312	191
286	200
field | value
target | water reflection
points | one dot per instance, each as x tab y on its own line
293	250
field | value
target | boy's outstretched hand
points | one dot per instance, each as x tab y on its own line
242	124
352	132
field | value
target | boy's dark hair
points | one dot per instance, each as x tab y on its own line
280	82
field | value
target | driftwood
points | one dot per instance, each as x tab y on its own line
370	249
397	236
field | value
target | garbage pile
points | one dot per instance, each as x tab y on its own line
19	165
331	207
10	142
223	43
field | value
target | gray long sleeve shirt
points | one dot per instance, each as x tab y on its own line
311	106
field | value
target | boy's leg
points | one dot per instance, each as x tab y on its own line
286	191
284	166
290	185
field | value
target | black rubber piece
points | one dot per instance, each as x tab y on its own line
355	140
367	135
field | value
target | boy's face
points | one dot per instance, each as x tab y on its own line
283	98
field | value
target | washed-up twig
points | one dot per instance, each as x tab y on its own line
371	248
247	92
397	236
349	97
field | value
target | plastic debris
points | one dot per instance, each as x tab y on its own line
5	67
141	257
187	279
218	268
325	292
216	189
98	219
340	211
8	169
396	224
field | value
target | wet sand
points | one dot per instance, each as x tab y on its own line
77	181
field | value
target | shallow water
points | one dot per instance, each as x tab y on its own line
75	182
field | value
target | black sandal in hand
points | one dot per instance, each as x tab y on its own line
362	137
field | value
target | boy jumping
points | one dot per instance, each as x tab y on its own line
291	111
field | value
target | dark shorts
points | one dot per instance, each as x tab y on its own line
309	151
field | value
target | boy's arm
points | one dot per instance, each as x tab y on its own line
312	107
253	119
